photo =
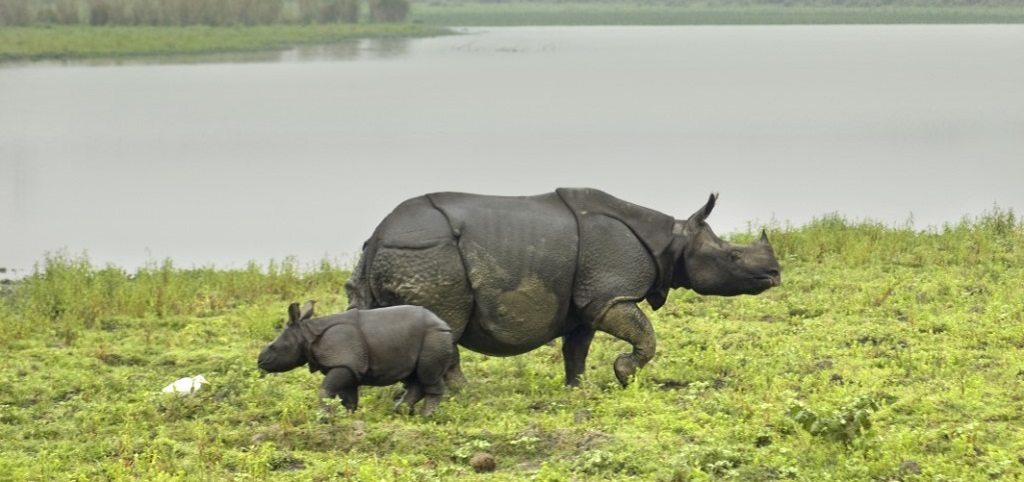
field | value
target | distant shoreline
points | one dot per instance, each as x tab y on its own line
84	42
19	44
649	13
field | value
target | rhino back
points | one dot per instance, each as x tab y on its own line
414	224
520	258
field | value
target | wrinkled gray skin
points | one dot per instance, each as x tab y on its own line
510	274
367	347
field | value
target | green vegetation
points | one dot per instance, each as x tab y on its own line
44	29
887	354
32	43
725	13
196	12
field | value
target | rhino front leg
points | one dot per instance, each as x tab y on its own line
626	322
341	382
575	347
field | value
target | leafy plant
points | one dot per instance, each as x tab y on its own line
841	425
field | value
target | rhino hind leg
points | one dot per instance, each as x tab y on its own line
453	377
575	347
626	322
436	358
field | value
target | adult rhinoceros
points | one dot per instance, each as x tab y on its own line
510	274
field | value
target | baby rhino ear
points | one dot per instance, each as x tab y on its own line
307	310
293	313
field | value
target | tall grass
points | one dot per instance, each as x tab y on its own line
195	12
327	11
69	293
15	12
66	294
994	238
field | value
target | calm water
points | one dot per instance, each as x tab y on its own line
220	160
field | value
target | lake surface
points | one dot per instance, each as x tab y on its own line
219	160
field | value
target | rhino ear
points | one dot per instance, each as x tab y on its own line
307	310
293	313
705	211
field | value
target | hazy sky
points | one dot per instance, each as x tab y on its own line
226	162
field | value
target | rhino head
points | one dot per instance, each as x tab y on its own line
710	265
288	351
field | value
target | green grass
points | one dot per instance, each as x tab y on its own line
887	354
35	43
655	13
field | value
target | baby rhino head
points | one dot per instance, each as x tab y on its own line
288	350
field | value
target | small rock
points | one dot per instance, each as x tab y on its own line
581	416
483	462
910	467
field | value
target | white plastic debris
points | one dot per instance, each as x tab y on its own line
186	385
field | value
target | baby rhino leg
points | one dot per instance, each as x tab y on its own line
413	394
437	356
341	382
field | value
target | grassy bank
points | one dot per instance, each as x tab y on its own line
79	41
887	354
70	42
653	13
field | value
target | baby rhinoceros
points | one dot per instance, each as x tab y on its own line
373	347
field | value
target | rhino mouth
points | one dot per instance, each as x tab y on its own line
771	280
